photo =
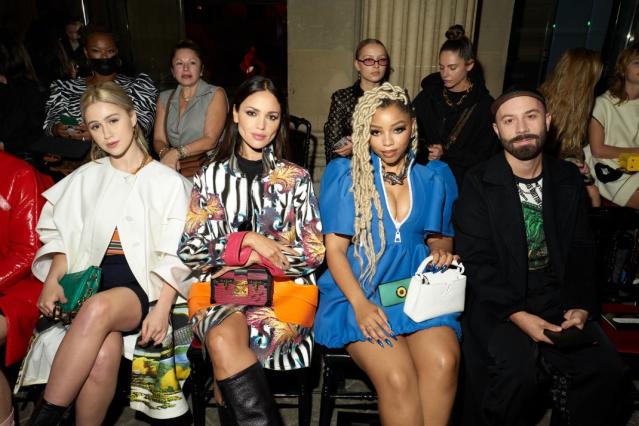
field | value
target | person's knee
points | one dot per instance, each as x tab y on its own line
221	344
398	382
106	363
445	363
93	314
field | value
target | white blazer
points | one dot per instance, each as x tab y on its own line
148	209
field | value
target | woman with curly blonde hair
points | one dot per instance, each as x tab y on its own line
389	205
570	95
613	131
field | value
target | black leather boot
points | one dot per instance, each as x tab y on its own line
249	398
225	413
47	414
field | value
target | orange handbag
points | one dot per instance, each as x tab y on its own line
293	303
199	297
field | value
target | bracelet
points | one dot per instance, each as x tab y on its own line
163	151
182	153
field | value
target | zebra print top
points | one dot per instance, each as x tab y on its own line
279	204
65	100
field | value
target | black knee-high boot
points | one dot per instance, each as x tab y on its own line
47	414
248	396
226	415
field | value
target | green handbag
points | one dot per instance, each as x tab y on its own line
78	287
394	292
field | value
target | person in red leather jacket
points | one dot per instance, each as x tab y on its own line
20	206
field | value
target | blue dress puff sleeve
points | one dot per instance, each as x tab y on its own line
337	206
441	199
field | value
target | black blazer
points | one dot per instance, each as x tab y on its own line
491	240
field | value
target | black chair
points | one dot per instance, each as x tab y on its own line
284	384
300	142
338	366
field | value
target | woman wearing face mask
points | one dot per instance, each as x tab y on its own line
191	117
63	117
373	68
453	109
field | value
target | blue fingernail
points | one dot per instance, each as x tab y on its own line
379	342
444	268
370	339
394	337
388	342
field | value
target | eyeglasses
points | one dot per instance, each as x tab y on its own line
369	62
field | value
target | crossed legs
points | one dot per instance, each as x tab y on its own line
86	363
416	379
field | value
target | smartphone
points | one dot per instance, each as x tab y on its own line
570	338
68	120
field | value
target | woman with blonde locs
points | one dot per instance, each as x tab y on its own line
249	206
389	205
109	212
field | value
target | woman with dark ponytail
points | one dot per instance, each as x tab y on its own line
453	109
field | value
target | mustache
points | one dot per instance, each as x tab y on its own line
524	137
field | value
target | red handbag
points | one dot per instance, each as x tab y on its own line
251	286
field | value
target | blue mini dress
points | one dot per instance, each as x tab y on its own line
433	192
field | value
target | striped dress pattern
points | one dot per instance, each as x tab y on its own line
280	205
64	99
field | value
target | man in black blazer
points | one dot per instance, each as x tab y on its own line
522	232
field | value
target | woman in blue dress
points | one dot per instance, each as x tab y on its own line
413	365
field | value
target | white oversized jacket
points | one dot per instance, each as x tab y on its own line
148	209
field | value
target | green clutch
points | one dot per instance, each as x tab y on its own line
394	292
78	287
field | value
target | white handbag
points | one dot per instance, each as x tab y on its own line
431	294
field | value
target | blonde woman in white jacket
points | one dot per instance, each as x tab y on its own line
124	212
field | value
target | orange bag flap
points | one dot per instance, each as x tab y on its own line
199	297
295	303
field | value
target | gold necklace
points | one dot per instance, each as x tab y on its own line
450	103
142	164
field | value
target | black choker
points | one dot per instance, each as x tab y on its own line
394	178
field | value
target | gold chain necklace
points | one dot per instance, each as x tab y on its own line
142	164
450	103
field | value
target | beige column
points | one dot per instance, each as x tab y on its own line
492	45
413	31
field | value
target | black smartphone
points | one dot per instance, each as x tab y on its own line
570	338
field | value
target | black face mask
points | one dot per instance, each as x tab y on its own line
105	66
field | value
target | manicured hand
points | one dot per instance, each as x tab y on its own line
268	248
442	258
171	159
52	292
154	326
372	321
534	326
575	318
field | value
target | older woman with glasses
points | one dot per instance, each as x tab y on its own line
373	68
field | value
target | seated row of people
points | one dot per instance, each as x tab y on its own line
526	272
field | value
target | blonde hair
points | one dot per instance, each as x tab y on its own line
570	94
111	93
364	192
618	86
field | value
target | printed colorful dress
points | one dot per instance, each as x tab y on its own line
433	192
280	205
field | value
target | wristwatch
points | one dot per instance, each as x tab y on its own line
181	152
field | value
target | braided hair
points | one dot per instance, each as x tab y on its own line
364	192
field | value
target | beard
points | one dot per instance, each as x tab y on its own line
526	152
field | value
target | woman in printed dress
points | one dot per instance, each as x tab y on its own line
251	207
